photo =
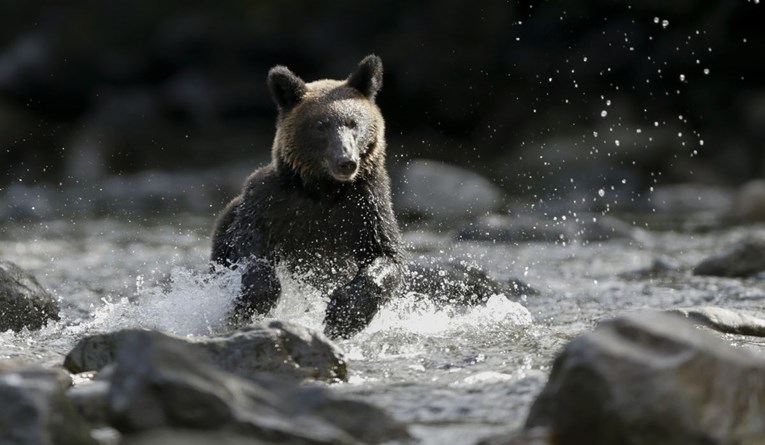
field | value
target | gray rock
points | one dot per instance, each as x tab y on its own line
23	302
35	411
749	201
91	401
191	437
161	382
723	320
282	348
743	259
513	229
652	378
660	266
458	282
534	436
431	189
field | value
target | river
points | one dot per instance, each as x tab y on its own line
455	375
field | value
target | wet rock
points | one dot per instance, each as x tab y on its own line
431	189
459	282
652	378
513	229
691	197
160	382
534	436
91	401
660	266
23	302
35	411
510	229
749	202
743	259
723	320
283	348
166	436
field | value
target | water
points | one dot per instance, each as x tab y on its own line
454	374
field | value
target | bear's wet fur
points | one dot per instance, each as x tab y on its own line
322	203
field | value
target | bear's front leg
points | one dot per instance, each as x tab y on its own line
259	294
352	307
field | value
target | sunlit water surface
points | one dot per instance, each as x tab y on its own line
454	374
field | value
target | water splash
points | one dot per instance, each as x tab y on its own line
189	303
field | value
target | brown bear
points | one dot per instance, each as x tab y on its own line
322	204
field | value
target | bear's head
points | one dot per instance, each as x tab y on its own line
329	129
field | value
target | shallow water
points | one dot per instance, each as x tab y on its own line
455	375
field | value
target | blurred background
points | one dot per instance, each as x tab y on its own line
545	99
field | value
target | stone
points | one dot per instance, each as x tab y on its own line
723	320
430	189
659	267
23	302
744	258
513	229
283	348
159	382
534	436
749	202
35	411
652	378
458	282
166	436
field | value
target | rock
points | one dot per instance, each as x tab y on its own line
687	198
652	378
534	436
23	302
35	411
91	401
431	189
723	320
160	382
458	282
166	436
510	229
745	258
749	202
659	267
282	348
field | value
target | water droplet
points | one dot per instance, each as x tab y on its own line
601	193
603	113
682	78
664	23
706	71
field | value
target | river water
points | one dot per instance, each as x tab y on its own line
455	375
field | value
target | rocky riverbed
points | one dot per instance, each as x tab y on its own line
116	335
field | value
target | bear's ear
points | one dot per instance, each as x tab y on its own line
368	76
287	89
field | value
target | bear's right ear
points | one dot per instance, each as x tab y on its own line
287	89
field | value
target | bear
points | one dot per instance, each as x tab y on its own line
323	203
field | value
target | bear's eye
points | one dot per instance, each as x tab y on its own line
351	123
322	126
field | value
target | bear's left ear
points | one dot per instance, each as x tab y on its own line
287	89
368	76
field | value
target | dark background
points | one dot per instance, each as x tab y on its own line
535	95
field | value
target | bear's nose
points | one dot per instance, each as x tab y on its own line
347	167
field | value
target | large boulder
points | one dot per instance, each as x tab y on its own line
742	259
158	382
652	378
23	302
430	189
283	348
35	411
